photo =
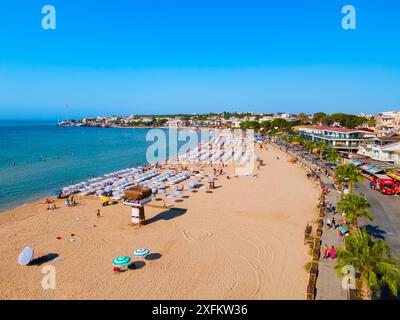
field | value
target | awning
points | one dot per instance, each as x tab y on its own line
356	162
394	175
369	168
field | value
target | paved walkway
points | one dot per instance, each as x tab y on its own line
328	283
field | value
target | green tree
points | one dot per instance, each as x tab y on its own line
332	155
371	122
309	145
320	147
303	118
372	262
355	206
347	120
246	125
347	172
320	118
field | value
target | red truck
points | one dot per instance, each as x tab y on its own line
385	184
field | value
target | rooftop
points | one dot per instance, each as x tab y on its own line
333	129
392	138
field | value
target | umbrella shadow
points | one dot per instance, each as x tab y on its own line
153	256
167	215
43	259
375	232
136	265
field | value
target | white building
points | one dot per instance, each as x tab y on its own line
387	153
388	123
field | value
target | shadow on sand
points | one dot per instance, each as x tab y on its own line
136	265
153	256
43	259
167	215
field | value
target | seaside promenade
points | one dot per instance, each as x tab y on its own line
329	286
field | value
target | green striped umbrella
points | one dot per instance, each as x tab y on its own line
121	261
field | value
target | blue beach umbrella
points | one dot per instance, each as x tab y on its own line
55	193
178	193
121	261
141	252
171	196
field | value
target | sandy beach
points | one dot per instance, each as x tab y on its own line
242	241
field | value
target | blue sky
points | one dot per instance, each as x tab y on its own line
132	57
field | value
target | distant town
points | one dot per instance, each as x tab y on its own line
376	136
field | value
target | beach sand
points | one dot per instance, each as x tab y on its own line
243	241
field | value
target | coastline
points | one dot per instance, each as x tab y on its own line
243	241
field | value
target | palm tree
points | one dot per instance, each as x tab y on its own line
332	155
309	145
321	147
372	262
347	172
355	206
353	176
297	139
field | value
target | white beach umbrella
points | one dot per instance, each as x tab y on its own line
141	252
26	256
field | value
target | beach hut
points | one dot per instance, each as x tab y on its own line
136	197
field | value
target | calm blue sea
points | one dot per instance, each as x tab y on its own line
39	157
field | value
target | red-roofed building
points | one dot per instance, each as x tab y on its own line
343	139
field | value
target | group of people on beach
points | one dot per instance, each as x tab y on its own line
70	201
51	206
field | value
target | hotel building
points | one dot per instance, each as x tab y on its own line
343	139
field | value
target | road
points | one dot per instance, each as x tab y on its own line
386	210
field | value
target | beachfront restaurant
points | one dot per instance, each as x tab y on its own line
343	139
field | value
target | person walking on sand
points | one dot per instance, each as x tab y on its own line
334	222
332	253
72	201
325	251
